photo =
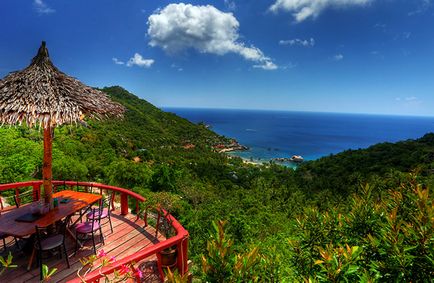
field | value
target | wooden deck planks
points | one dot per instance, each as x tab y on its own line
61	264
121	233
129	236
125	239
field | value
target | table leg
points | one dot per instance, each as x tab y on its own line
86	210
32	257
72	235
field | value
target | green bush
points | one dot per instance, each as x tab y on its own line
384	238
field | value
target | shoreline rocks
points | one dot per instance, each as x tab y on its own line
294	158
232	146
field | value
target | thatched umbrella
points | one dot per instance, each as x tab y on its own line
44	96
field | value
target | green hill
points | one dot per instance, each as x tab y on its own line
148	124
320	222
87	152
343	172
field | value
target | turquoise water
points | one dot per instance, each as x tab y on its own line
274	134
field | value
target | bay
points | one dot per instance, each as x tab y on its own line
274	134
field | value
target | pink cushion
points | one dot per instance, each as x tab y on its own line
104	214
86	227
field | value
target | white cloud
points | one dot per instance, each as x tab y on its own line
268	65
299	42
410	101
410	98
290	65
176	67
304	9
230	5
42	8
179	27
380	26
403	36
338	57
138	60
117	62
422	7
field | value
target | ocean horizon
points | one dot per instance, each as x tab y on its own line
275	134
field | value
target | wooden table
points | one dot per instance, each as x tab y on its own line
77	201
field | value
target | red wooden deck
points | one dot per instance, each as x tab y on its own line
129	236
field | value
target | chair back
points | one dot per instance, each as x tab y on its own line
79	188
60	187
96	212
107	201
23	198
41	233
61	228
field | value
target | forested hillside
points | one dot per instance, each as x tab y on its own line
358	215
87	152
345	171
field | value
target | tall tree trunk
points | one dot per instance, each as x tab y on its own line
47	172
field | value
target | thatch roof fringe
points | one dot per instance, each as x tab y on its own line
41	94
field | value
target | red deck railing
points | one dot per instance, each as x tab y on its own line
180	239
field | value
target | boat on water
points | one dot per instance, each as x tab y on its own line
296	158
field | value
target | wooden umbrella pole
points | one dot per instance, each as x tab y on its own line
47	173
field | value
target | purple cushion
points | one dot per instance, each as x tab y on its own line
86	227
104	214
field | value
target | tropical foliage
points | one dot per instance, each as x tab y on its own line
361	215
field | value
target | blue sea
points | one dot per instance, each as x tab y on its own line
273	134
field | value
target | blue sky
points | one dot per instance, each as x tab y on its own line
359	56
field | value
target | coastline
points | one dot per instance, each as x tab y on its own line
312	135
234	149
233	145
261	161
230	150
246	160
